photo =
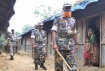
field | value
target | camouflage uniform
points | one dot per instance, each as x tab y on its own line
39	51
65	42
13	40
35	28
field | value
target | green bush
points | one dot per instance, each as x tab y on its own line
2	39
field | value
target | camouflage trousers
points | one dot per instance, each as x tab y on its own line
68	57
39	55
11	51
12	46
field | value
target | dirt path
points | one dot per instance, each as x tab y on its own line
24	62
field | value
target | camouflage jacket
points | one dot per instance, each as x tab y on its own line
39	36
13	37
65	28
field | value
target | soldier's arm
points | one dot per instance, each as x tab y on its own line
6	42
45	42
32	41
17	40
75	38
53	37
75	31
32	38
54	31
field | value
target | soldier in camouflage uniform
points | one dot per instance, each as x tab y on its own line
38	43
64	38
13	39
35	27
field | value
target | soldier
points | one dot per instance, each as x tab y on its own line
38	43
64	37
13	40
7	45
35	28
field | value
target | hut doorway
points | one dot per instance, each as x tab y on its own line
94	23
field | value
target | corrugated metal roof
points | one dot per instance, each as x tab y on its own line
74	8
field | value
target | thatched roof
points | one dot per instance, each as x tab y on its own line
6	12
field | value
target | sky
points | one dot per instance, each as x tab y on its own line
24	12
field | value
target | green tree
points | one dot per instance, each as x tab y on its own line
17	33
26	28
45	11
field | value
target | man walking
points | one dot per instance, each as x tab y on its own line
35	28
13	40
64	37
39	43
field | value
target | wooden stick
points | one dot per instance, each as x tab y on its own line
64	60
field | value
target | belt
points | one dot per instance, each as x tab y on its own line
12	41
65	35
65	51
38	42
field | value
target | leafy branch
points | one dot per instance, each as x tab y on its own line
45	11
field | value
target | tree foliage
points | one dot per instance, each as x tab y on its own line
26	28
45	11
17	33
2	39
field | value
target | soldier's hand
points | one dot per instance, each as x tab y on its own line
18	44
55	47
76	47
33	46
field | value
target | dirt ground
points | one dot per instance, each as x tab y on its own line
24	62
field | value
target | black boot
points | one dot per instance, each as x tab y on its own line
36	66
42	66
11	58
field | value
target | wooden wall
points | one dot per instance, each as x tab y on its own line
81	28
50	50
102	50
26	45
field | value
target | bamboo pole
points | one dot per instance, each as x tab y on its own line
64	60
